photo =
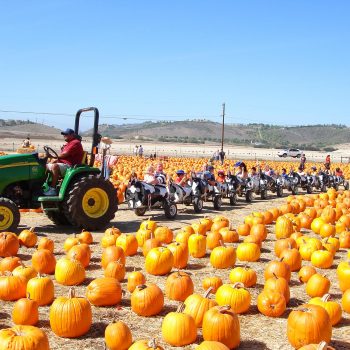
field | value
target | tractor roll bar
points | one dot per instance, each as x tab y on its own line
96	137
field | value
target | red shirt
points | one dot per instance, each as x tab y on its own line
75	152
178	179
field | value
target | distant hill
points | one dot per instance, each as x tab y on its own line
21	129
306	137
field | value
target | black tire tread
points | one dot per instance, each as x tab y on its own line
140	211
75	193
233	200
249	196
167	210
58	217
217	202
196	208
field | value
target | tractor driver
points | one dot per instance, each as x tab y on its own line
71	154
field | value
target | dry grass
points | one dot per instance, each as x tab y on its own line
257	331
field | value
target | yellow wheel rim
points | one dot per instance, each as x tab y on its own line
6	218
95	202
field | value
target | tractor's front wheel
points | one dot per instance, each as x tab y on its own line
91	203
9	215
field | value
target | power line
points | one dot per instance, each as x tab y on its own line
143	117
37	113
116	116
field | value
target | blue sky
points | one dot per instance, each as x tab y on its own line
280	62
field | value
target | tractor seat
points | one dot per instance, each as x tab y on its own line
84	159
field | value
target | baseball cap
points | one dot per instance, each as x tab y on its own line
238	164
68	132
210	167
180	172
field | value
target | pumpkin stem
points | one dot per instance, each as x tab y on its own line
238	285
32	229
28	296
222	244
152	344
303	309
322	346
275	275
224	308
141	286
71	293
326	297
207	292
181	307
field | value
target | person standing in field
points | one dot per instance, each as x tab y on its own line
328	159
136	149
222	156
26	143
140	151
302	161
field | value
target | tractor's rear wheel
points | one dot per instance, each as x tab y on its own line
9	215
57	217
91	203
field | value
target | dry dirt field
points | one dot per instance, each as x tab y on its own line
184	150
257	331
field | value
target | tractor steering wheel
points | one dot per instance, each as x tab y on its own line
48	151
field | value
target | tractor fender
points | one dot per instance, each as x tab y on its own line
73	173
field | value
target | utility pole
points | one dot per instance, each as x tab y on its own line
223	127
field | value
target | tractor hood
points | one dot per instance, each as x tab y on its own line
14	160
16	168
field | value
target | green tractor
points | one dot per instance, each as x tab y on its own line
85	199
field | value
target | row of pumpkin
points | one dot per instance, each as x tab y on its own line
216	235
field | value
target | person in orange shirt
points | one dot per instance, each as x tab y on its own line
221	176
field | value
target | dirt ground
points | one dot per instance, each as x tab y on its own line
257	331
125	147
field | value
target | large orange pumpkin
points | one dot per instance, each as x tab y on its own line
308	324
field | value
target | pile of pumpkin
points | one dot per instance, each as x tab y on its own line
121	172
327	215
